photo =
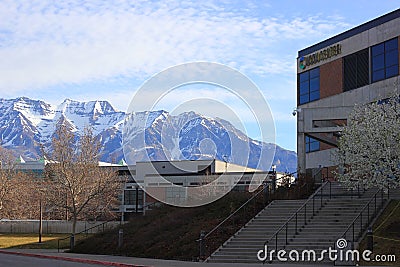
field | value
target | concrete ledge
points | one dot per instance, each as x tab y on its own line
81	260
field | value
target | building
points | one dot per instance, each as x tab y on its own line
358	66
172	181
169	180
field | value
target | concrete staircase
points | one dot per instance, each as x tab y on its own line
316	230
244	245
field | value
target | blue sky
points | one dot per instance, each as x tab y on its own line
104	50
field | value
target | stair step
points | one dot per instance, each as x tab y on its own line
321	231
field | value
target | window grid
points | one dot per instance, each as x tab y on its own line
312	144
385	60
309	86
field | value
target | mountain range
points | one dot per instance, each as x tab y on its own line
156	135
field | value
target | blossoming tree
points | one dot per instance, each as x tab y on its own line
369	147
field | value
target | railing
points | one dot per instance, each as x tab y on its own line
71	237
259	200
300	217
101	226
364	218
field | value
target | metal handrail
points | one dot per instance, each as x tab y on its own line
244	204
204	235
84	231
295	214
366	206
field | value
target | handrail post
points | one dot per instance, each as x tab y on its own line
305	214
202	252
330	190
286	232
296	224
352	243
322	189
276	242
313	211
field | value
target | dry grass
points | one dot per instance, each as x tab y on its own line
386	232
30	241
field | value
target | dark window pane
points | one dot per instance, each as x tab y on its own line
391	45
392	58
377	49
378	62
314	73
378	75
304	99
314	95
314	84
304	76
392	71
304	88
363	68
307	139
314	146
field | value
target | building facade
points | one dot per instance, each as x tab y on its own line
358	66
177	178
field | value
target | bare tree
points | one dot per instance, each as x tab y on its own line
7	172
76	182
18	190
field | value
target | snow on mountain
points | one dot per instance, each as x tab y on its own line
157	135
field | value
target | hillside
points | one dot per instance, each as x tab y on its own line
167	232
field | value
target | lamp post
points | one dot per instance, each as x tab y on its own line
225	157
273	177
40	219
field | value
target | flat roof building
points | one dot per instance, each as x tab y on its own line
358	66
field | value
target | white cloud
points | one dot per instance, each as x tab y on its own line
52	42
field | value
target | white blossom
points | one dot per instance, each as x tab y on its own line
369	147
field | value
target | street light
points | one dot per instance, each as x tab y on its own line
273	177
40	219
41	193
225	157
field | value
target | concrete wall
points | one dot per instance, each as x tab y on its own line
52	227
334	104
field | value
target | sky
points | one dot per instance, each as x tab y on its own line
106	50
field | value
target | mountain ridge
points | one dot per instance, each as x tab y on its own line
26	123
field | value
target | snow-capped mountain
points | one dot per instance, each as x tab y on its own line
155	135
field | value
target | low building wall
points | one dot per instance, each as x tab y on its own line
54	227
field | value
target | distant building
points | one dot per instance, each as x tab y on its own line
34	167
358	66
185	173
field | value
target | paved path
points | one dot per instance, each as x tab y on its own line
47	258
10	260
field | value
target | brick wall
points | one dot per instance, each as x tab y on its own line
331	78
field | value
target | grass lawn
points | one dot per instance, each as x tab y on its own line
386	232
30	241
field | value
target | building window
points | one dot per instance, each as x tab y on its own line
175	194
356	70
385	60
130	197
309	86
311	144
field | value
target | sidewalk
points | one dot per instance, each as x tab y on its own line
108	260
